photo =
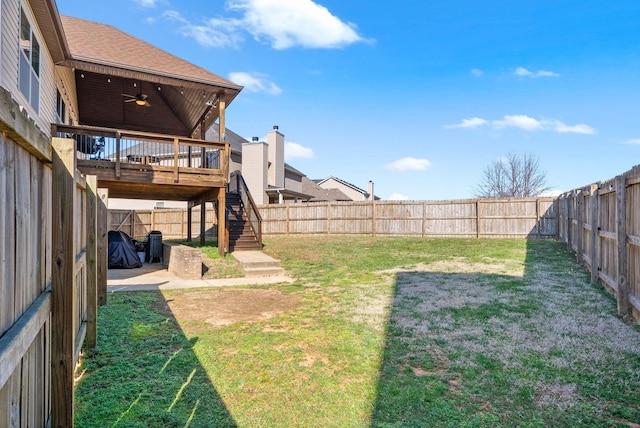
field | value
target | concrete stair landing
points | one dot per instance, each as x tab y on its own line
257	264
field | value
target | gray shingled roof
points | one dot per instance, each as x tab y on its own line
319	194
105	45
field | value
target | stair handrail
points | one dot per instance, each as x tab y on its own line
239	186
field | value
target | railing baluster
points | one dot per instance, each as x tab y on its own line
176	153
117	154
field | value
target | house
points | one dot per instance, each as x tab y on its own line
353	192
91	94
269	178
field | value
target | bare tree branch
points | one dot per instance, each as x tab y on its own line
518	176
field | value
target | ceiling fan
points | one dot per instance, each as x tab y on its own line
140	99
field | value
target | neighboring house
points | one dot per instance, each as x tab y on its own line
353	192
269	178
320	194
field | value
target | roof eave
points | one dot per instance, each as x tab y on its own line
48	19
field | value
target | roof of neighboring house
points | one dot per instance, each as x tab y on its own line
344	183
292	170
273	190
320	194
235	141
105	45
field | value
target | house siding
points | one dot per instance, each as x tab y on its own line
349	191
10	22
66	84
293	182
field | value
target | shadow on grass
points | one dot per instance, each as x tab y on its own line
487	349
143	372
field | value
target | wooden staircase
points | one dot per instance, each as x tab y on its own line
241	234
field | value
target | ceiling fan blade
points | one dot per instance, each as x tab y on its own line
146	103
130	100
127	95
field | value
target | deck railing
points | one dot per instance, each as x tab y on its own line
239	186
97	146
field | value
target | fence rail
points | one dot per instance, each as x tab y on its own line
601	223
473	218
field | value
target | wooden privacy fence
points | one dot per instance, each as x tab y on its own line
170	221
601	223
48	281
474	218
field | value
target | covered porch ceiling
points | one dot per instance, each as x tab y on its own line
113	69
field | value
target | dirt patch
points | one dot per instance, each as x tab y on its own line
220	308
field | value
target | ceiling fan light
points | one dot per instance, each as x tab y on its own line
140	102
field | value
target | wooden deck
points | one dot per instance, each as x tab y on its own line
140	165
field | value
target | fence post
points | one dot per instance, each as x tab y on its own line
374	217
62	283
328	218
478	232
92	271
103	245
287	214
580	228
538	219
190	220
595	235
424	218
621	229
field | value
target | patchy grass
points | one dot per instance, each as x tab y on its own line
382	332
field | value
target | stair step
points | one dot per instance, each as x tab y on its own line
275	264
255	272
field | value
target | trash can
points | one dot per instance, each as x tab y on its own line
154	246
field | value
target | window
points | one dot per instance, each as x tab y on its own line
29	63
61	108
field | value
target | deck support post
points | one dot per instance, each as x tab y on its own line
223	239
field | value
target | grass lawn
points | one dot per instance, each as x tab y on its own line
376	332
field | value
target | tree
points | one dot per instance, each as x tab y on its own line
514	176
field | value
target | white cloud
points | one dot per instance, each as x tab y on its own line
398	197
409	164
281	23
255	82
295	150
523	72
580	128
526	123
215	33
150	4
472	122
477	72
634	142
518	121
287	23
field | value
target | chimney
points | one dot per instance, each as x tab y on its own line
370	191
275	141
254	169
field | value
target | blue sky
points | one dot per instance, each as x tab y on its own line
418	96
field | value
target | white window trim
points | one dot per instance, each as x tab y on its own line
29	60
